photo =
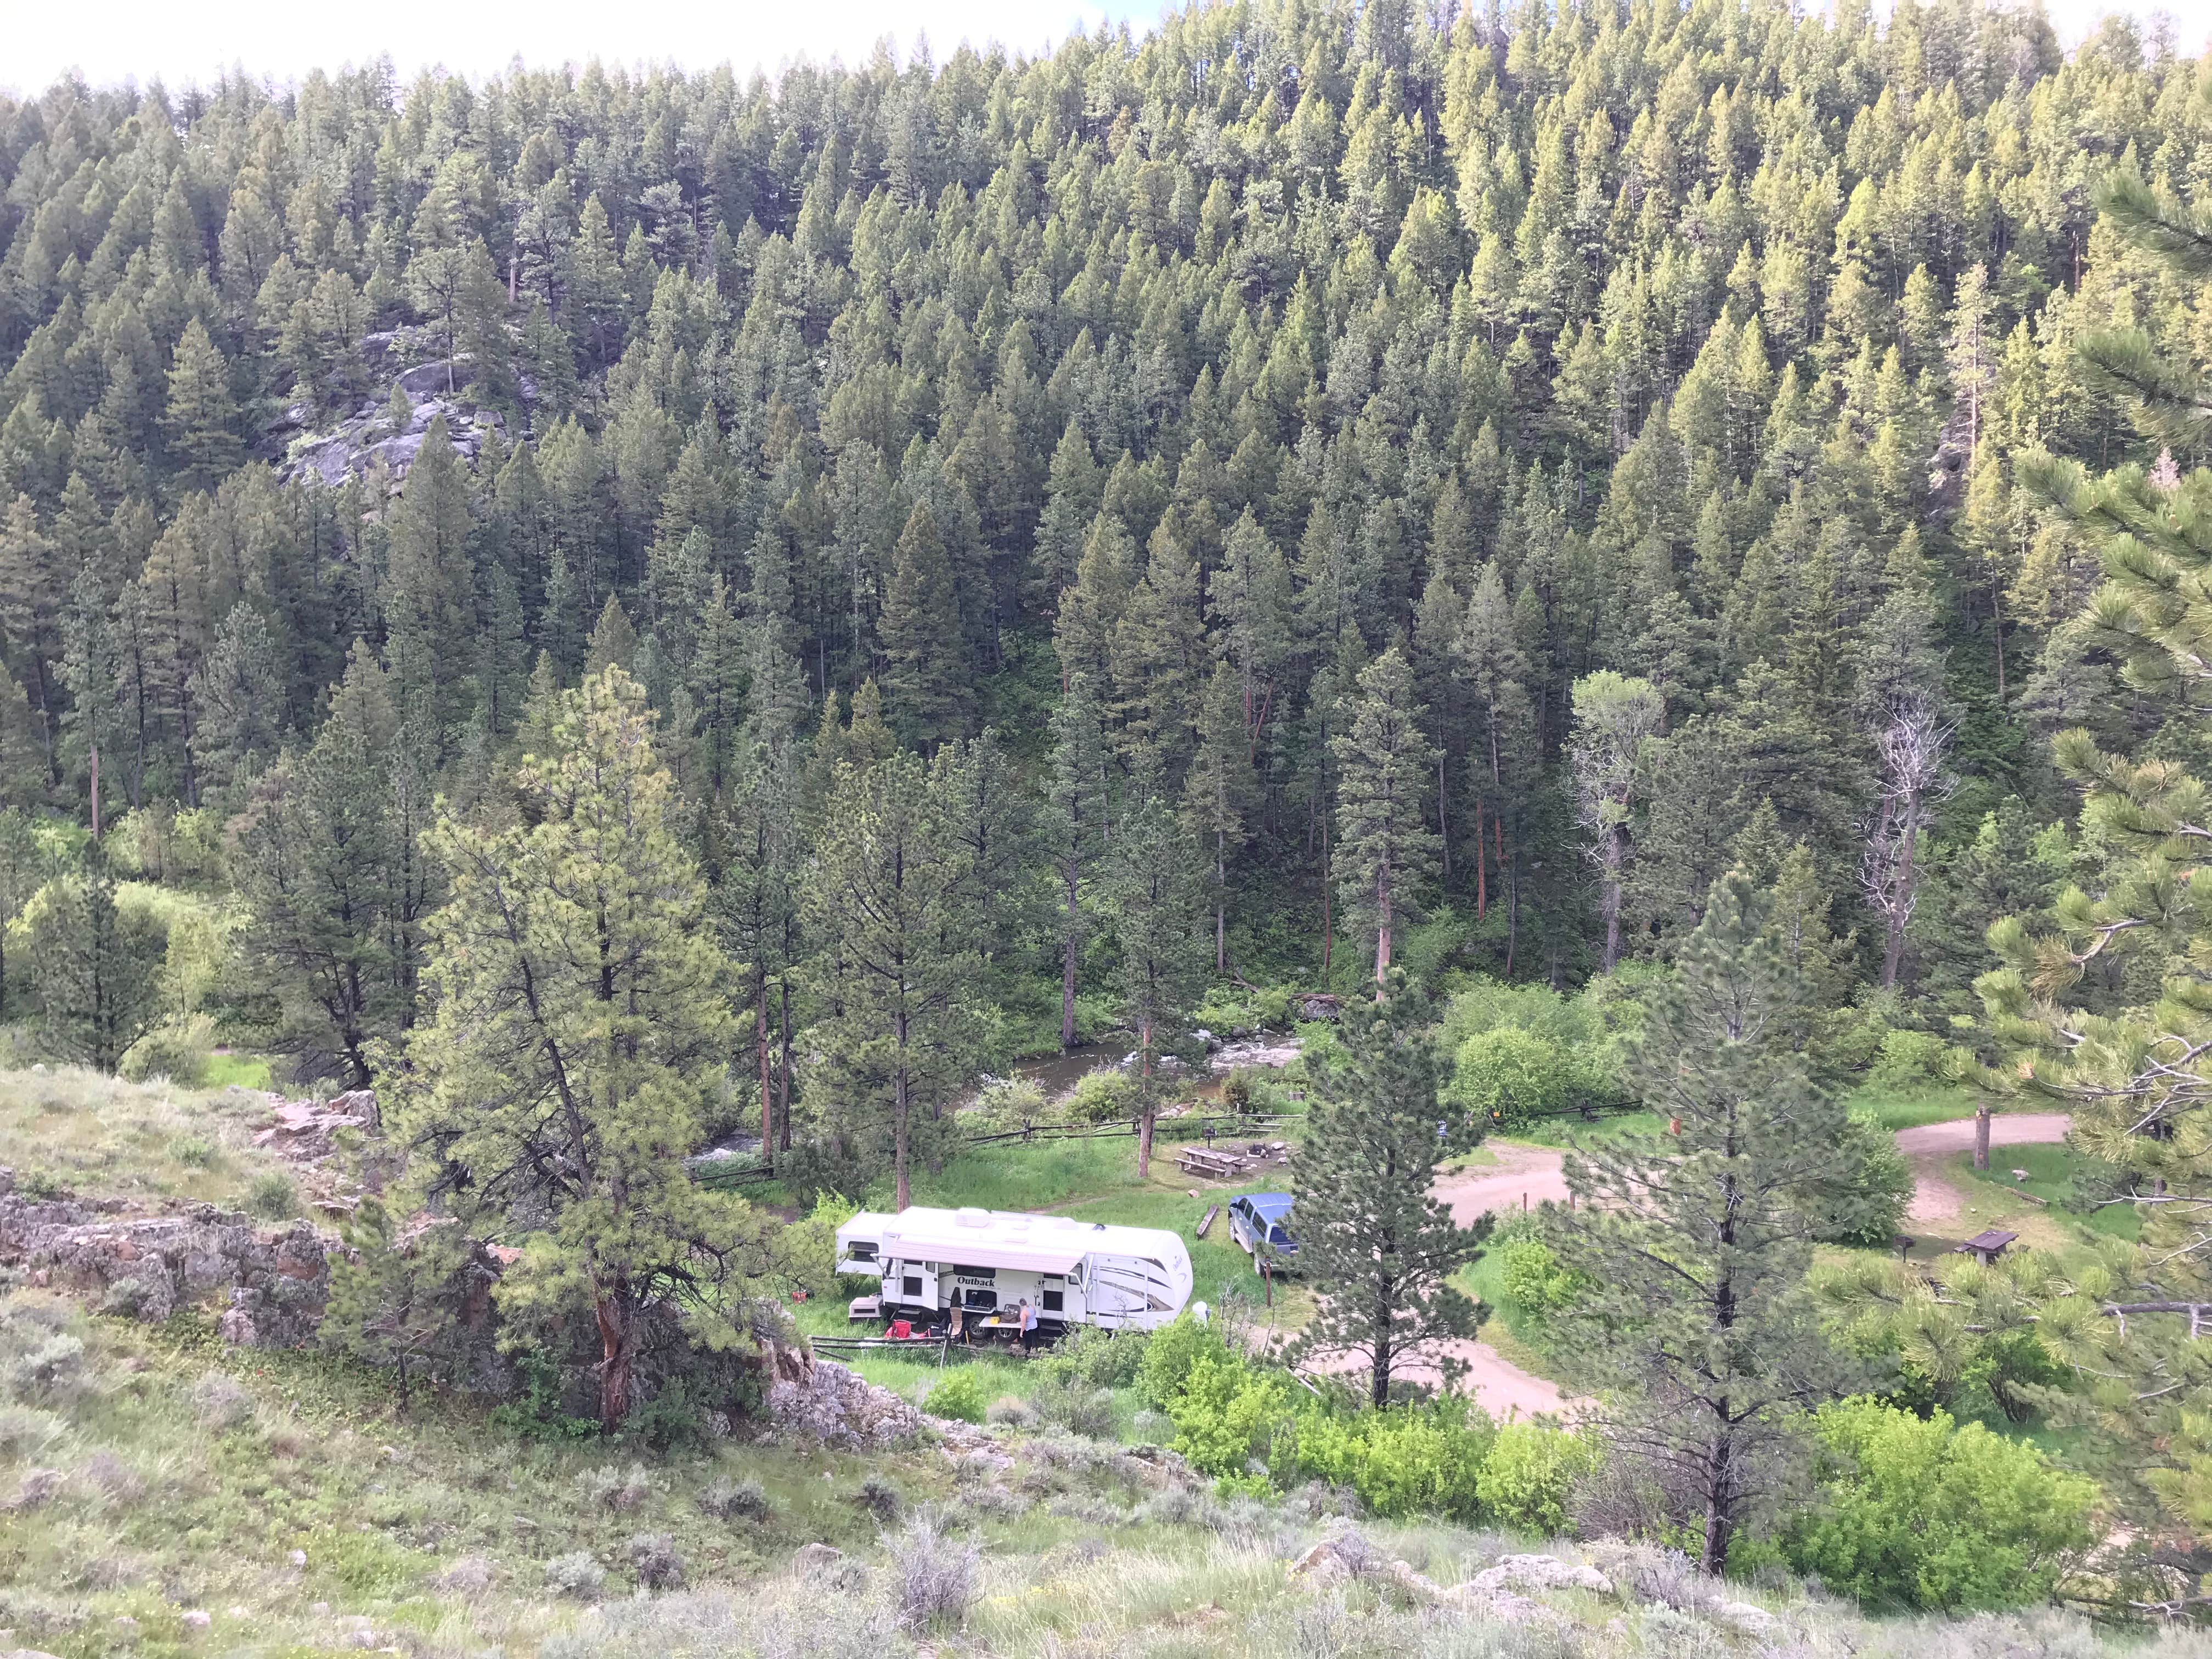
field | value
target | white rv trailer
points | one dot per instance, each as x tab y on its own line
1073	1272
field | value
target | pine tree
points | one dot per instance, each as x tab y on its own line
327	854
1694	1244
94	964
240	693
201	419
1153	889
920	628
1385	849
1218	790
884	901
614	642
1379	1248
398	1296
1075	827
575	1038
430	603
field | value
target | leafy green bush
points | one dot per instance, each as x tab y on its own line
1929	1515
1106	1094
1402	1460
1225	1411
1512	1076
1535	1282
273	1196
1169	1354
177	1052
1091	1357
1909	1060
1528	1473
1867	1203
959	1397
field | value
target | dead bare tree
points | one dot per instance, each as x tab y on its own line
1909	751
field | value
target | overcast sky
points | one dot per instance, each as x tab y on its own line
182	40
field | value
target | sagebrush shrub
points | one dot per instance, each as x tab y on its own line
936	1577
576	1574
221	1400
653	1559
735	1500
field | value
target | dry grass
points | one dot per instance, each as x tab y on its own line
75	1129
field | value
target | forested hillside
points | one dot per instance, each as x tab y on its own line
1630	555
1475	468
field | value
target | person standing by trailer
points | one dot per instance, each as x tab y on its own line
1028	1327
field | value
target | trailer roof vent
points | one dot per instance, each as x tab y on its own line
967	1216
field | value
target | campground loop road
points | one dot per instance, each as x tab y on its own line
1525	1176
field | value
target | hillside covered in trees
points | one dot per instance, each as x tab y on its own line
1476	471
1642	554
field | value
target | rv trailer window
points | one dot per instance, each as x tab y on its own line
910	1286
1055	1301
860	1252
975	1272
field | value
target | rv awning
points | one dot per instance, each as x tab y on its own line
1048	1247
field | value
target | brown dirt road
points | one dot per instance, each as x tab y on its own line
1525	1176
1934	1199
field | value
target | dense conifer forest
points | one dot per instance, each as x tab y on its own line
620	607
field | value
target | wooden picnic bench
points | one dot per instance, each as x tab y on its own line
1219	1166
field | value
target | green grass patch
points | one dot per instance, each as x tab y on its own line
1518	1336
2051	1176
238	1070
1573	1131
1895	1110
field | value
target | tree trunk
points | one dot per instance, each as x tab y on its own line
1443	829
1068	975
1481	866
1382	932
1144	1110
1982	1134
1899	906
1996	627
1713	1556
783	1065
1220	901
617	1350
767	1100
1615	857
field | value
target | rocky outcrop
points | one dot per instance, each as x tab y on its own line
271	1283
305	1132
822	1401
365	441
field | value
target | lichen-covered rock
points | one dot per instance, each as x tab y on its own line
275	1282
821	1400
1523	1572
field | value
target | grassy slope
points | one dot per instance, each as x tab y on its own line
169	1499
146	1142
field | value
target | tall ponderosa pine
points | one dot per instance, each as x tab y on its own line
1375	1242
1695	1244
1074	831
328	855
884	902
2136	1076
576	1034
1153	885
1386	850
1218	791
